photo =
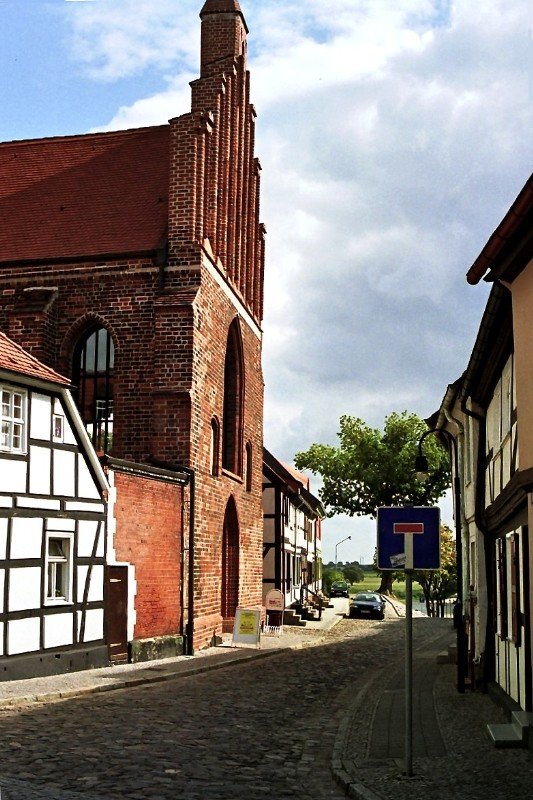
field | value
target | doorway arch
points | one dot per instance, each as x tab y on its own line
230	561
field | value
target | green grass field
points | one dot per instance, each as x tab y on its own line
372	581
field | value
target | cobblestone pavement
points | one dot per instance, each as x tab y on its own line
271	727
453	757
256	730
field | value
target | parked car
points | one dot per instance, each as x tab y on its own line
367	604
339	589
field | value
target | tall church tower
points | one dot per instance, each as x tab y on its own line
146	287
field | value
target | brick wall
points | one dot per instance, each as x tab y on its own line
148	517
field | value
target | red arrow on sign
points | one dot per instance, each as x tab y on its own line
408	527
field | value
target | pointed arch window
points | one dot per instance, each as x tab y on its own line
93	373
232	426
215	446
230	561
248	480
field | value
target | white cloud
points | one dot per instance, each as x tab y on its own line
120	38
156	109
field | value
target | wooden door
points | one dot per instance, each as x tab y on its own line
116	613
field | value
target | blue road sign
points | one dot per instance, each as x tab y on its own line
420	522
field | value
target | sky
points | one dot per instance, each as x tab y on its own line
393	137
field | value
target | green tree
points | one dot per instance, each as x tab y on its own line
353	573
372	468
441	583
330	574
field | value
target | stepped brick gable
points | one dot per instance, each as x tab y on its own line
132	263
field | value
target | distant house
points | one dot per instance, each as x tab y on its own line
292	543
53	525
490	413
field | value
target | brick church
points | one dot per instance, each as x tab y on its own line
132	263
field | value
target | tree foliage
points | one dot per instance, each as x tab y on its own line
373	468
439	584
330	574
353	573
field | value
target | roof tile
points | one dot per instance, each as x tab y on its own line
77	196
14	359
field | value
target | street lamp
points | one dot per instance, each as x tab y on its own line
422	469
338	543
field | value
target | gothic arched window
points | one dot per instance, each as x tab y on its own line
215	446
248	478
232	424
230	562
93	365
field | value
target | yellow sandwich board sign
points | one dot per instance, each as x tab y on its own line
246	629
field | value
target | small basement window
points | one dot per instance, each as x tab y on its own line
13	420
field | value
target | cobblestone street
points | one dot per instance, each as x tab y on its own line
263	729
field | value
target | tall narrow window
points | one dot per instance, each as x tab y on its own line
230	562
94	361
248	481
501	568
514	587
233	402
215	446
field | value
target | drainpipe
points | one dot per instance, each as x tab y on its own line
189	628
465	559
460	461
480	524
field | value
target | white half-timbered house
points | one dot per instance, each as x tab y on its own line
489	412
53	525
292	538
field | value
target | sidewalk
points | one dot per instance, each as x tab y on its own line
453	758
74	684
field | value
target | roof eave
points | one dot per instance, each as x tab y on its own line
489	258
30	380
81	259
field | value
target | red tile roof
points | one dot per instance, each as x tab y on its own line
14	359
89	195
300	477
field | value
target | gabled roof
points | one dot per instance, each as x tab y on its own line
14	359
299	476
75	196
293	480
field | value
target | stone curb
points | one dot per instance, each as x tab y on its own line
239	657
172	674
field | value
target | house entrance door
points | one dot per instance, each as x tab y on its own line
116	614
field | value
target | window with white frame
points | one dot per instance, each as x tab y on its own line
13	420
58	568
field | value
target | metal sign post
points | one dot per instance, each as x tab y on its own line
408	539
